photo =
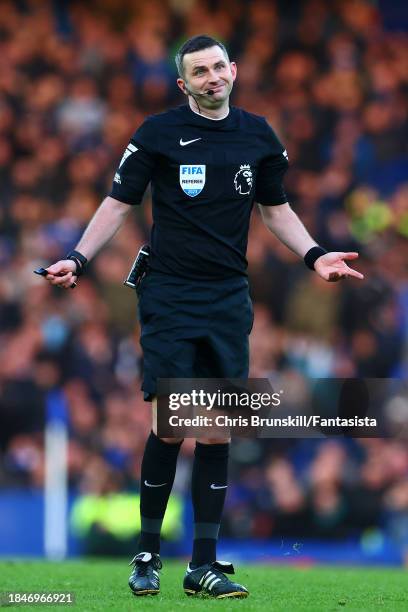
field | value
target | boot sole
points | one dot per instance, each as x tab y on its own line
146	592
234	594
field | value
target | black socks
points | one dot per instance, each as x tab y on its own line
209	487
157	477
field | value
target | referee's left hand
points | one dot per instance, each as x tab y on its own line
332	266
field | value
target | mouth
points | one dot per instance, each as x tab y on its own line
217	88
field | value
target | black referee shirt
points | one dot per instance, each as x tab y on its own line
205	176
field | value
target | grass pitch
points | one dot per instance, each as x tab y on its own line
102	585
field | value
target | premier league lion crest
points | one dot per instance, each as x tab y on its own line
243	179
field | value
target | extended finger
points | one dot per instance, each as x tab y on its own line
355	273
351	255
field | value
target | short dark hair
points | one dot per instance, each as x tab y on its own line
196	43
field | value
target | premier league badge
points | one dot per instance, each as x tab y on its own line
192	179
243	179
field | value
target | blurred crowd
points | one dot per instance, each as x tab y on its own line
76	80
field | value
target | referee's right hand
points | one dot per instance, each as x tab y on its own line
62	274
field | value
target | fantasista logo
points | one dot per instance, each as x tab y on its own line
192	179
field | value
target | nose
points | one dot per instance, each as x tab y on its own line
213	77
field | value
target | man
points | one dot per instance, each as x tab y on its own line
207	162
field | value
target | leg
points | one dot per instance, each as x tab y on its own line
209	487
157	477
223	353
156	481
204	574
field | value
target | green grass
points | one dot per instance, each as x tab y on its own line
102	585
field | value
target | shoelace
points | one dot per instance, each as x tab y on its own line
221	569
143	566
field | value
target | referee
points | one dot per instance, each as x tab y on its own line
208	162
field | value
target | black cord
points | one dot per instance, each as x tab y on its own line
195	100
190	93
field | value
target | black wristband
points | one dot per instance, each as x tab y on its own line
313	254
80	261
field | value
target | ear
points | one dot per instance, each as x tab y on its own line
182	85
233	67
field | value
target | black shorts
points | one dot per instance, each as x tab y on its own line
193	329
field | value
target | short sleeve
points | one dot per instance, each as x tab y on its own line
269	188
136	167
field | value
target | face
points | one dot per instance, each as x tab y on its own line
208	69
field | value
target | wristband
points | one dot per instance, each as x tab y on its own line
80	261
312	255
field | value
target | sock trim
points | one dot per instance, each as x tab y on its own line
206	531
150	525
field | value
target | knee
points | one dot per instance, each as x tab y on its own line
167	440
172	440
214	440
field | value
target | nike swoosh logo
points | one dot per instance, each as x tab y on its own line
183	143
213	486
153	485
